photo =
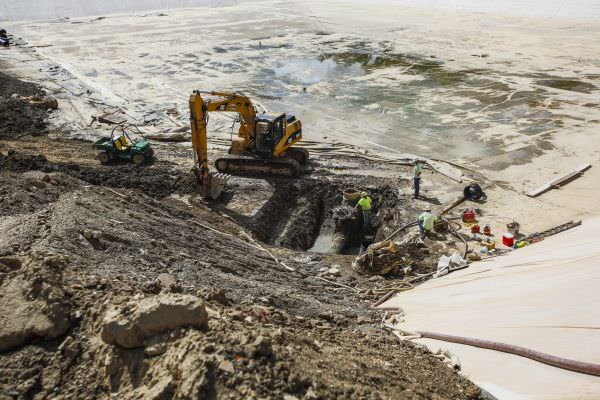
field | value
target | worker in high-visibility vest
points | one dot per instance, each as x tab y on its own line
121	143
365	203
426	221
417	178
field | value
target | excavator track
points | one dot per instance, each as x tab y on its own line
253	167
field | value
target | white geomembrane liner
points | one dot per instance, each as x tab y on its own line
544	297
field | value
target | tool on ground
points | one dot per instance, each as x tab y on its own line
263	145
124	144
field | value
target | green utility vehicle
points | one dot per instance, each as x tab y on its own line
123	146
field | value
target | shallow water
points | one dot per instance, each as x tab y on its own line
45	9
403	88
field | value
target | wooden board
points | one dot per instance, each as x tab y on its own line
561	180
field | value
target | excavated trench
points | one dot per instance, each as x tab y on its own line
312	215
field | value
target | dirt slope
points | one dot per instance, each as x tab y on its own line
78	239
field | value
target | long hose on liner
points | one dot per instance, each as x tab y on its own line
559	362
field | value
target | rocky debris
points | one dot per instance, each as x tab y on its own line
168	283
129	325
379	259
33	303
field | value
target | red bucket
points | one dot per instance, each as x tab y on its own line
508	239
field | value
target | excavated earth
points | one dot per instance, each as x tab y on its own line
78	238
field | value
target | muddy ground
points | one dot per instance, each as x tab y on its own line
114	229
17	117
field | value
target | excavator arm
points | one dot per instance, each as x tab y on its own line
234	102
212	184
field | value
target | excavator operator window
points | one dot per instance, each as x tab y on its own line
264	141
278	129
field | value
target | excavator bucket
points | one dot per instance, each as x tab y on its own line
215	185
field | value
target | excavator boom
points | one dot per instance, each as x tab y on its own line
212	184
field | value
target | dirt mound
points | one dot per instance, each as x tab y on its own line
17	116
158	180
249	351
10	85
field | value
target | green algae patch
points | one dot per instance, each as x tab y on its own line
433	70
572	85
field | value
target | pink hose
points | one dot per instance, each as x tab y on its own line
564	363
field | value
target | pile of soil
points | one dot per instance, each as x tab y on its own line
247	351
160	180
17	116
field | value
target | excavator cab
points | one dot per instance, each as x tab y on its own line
270	129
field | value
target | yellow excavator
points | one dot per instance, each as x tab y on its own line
263	145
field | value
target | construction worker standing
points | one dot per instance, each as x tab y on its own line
417	178
365	204
426	221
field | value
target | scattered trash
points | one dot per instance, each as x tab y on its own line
448	264
379	259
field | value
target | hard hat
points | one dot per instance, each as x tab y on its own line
363	194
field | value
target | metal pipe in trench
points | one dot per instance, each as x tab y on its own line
559	362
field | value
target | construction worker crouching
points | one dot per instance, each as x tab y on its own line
365	204
426	221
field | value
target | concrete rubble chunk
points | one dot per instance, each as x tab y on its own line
129	325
